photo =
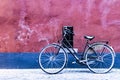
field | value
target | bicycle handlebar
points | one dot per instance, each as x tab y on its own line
68	31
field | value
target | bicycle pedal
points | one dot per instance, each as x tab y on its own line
91	62
74	62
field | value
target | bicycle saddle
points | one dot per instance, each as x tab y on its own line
89	37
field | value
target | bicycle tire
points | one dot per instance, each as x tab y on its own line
51	60
100	58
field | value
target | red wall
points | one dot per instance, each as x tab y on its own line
29	25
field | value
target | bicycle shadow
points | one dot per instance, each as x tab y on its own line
82	71
76	71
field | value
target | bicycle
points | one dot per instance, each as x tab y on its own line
53	58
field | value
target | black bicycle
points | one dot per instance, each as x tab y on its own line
98	56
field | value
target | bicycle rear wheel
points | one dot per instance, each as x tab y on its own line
100	58
51	60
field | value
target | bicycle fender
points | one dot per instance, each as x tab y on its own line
104	44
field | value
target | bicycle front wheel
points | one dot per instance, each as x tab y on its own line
51	60
100	58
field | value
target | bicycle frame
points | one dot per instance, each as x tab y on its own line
72	51
93	59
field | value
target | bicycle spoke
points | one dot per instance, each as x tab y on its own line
104	60
51	61
101	53
94	65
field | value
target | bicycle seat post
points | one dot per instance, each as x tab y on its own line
87	41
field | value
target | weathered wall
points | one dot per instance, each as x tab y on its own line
29	25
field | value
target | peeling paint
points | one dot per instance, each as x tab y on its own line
4	42
25	31
29	25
